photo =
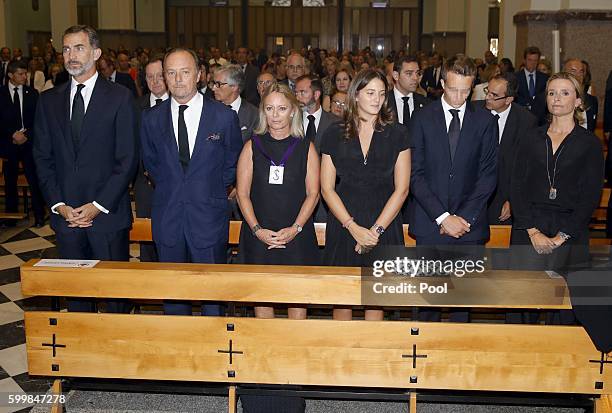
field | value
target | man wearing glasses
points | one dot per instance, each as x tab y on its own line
264	81
513	122
295	69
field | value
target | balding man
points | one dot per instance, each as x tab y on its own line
295	68
249	93
589	116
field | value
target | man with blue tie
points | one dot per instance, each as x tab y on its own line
531	83
190	146
454	160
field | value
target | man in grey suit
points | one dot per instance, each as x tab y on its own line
143	186
228	83
308	90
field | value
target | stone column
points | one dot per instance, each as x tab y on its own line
476	28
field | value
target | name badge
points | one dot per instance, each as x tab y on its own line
276	175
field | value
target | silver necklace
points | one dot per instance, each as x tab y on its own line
552	194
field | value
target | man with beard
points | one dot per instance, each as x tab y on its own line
86	155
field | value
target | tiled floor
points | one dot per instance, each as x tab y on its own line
18	245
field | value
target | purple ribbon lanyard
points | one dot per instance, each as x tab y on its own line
286	155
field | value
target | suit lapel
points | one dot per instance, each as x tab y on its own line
507	137
96	105
466	132
167	132
62	113
440	129
203	131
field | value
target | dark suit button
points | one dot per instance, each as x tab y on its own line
450	176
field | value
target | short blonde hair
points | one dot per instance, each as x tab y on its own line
297	128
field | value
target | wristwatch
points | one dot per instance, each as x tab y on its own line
564	236
298	227
255	228
378	228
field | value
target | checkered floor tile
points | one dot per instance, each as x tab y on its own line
18	245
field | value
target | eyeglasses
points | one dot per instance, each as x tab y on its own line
214	83
338	103
495	95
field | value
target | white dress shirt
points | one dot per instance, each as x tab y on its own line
501	122
399	104
86	93
192	118
236	104
152	98
113	76
317	116
448	117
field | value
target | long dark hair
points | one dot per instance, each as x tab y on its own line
351	116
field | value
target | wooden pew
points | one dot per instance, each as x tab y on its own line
141	231
409	356
600	214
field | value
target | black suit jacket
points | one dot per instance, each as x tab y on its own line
592	107
523	97
518	124
103	165
3	73
420	102
9	123
429	80
461	187
208	93
248	116
327	119
250	85
126	80
143	186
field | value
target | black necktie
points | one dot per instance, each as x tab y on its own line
158	101
406	99
183	141
454	130
311	131
17	104
78	113
496	116
2	72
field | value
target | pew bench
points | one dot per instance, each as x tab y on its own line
404	356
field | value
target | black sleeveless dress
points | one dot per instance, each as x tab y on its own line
277	206
365	186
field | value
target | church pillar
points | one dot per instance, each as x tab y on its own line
63	15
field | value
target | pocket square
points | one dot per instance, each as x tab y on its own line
214	137
243	128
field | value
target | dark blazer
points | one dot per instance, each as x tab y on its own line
104	164
518	125
126	80
592	107
523	97
327	119
208	93
143	186
420	102
248	116
462	187
250	85
429	80
193	203
9	123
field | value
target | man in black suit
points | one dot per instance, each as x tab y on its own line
308	90
17	109
143	186
403	99
86	156
205	77
432	77
591	105
531	83
5	58
513	122
228	84
404	102
454	162
107	69
249	93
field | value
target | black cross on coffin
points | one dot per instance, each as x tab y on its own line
54	345
602	361
231	352
414	356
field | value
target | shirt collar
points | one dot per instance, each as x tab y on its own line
399	94
446	107
317	114
195	100
89	83
153	98
527	72
236	104
504	114
12	87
